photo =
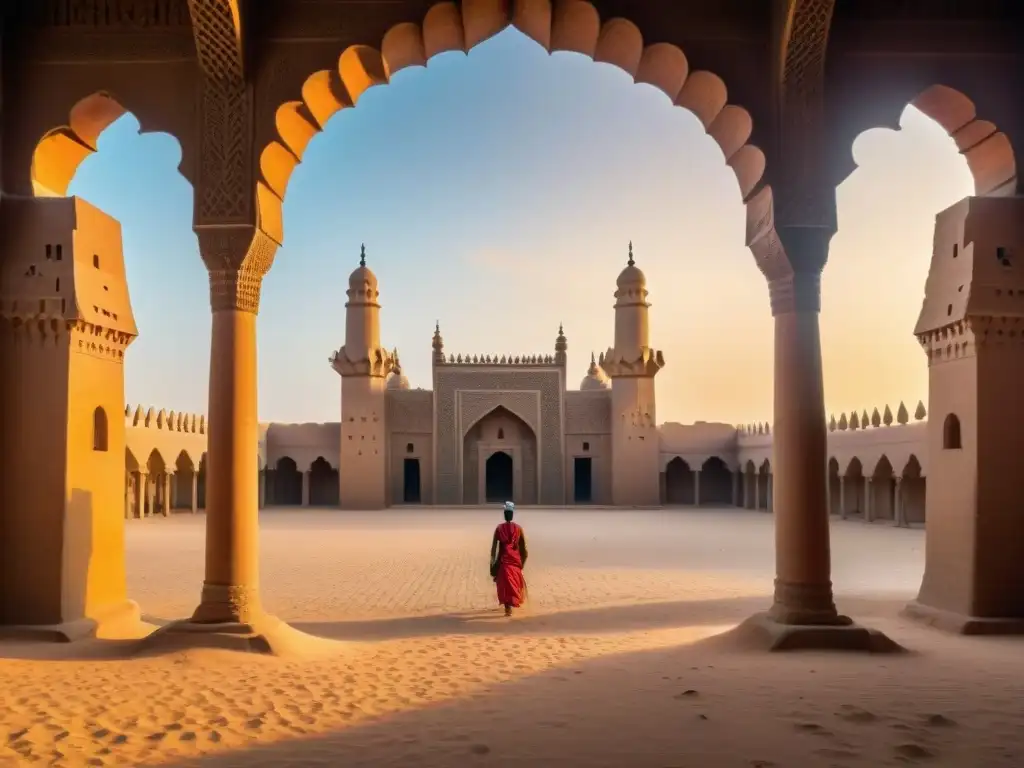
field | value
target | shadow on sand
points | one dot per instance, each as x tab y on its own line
594	621
685	705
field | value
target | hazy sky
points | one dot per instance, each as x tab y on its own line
497	193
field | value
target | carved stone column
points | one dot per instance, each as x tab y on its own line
237	258
696	488
305	487
869	500
897	517
195	491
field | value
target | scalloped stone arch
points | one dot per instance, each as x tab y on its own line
988	152
61	150
567	25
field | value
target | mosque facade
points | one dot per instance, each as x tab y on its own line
511	427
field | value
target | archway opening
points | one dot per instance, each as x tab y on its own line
679	483
882	502
287	483
912	493
324	485
716	483
185	489
572	111
134	500
157	485
518	441
499	478
853	489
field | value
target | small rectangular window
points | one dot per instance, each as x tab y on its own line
49	251
60	252
586	446
1002	256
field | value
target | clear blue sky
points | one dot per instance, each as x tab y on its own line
496	193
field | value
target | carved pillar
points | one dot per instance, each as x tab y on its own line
842	497
735	489
150	497
803	586
771	492
237	258
897	515
129	494
166	479
696	488
140	494
305	488
263	488
869	500
195	492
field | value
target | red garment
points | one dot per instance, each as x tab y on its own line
509	579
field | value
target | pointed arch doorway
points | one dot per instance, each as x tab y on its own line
499	478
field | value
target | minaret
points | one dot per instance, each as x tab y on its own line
438	344
632	365
969	327
561	347
364	366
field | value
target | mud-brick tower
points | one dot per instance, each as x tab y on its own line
364	366
972	328
65	323
632	365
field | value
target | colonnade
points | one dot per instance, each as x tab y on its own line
161	493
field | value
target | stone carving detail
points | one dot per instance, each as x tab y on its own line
225	193
476	405
237	258
588	413
802	197
410	412
218	35
109	13
549	435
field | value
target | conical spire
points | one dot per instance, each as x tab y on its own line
438	343
561	345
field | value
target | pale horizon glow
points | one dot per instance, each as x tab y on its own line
496	194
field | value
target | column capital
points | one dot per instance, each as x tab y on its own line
795	284
237	257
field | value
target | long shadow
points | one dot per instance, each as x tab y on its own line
592	621
679	706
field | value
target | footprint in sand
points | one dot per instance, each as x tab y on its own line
913	752
939	721
854	714
813	728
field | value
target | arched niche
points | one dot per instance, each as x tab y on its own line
517	440
679	483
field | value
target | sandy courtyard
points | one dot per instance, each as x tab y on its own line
608	665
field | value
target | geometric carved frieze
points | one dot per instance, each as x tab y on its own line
588	413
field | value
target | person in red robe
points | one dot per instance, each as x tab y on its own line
508	556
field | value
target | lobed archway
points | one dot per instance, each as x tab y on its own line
853	489
572	25
324	487
913	491
882	503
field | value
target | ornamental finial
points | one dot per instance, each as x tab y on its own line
362	255
631	262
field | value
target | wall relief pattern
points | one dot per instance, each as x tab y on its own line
111	13
410	412
548	427
588	413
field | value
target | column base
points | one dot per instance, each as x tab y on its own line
266	635
960	624
763	632
118	622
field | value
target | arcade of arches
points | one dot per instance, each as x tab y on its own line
788	142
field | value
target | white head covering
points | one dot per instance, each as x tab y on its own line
510	507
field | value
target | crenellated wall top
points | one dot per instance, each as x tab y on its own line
169	421
506	360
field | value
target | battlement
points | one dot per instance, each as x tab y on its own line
855	421
506	360
168	421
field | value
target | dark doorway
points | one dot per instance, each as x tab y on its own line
498	478
715	483
287	483
411	481
679	485
324	485
582	478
